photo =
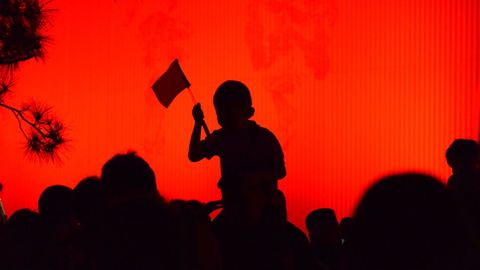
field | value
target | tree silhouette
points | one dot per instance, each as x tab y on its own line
21	38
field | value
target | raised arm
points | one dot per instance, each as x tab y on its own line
195	151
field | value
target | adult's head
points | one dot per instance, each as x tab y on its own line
24	219
405	221
322	226
128	175
55	204
463	156
87	199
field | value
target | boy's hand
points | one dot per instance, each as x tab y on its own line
197	113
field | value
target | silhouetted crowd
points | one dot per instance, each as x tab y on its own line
120	221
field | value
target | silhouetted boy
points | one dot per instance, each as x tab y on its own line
251	159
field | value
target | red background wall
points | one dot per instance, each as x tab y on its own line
352	89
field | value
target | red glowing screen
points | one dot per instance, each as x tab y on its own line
353	90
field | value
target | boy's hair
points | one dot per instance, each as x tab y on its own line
233	93
462	152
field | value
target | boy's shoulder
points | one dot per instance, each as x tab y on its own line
253	129
254	134
260	132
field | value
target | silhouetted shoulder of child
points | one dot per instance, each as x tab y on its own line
251	149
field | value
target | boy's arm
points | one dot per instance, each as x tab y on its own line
195	151
195	148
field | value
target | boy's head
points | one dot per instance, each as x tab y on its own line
233	104
463	155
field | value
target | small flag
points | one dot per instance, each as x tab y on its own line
170	84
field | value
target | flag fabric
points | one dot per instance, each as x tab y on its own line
170	84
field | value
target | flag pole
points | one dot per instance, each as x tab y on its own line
192	96
204	125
